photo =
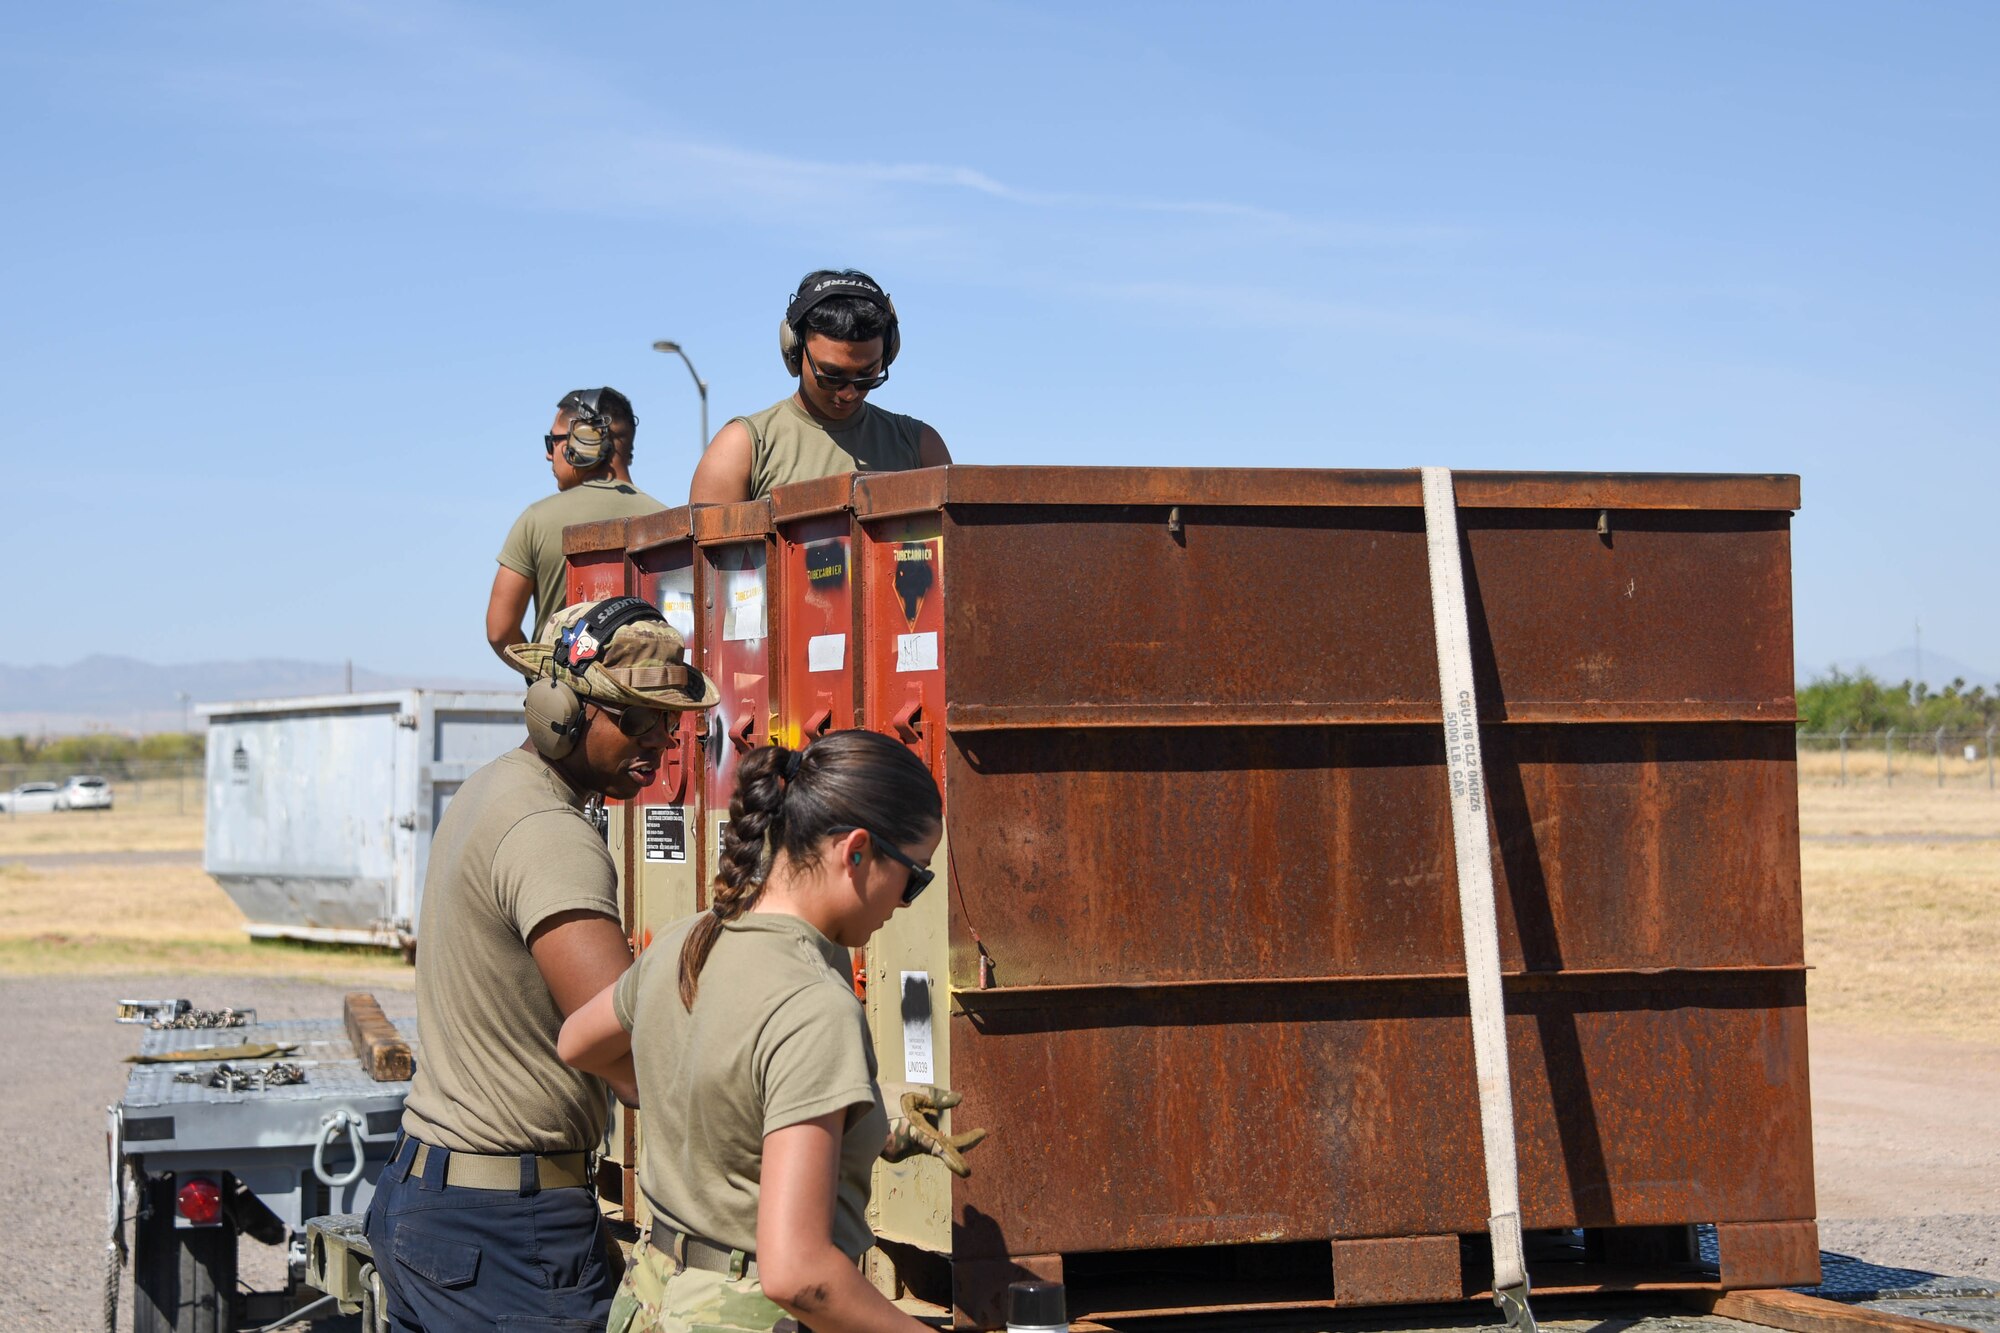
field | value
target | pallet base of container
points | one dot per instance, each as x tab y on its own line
1347	1274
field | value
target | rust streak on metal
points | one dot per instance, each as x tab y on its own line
893	493
660	529
813	499
732	522
604	536
1069	717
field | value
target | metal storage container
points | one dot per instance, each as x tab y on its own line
1197	961
320	810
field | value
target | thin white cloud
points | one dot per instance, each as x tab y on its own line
494	118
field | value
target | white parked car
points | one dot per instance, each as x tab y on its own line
29	798
84	793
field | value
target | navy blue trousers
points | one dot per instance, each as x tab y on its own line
531	1261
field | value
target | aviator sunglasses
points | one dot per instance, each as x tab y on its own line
632	721
920	876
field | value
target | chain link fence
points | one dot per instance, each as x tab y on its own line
1943	758
164	786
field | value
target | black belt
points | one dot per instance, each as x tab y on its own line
694	1252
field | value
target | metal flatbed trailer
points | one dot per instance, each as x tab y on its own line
195	1167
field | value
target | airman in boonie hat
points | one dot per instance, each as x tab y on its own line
619	651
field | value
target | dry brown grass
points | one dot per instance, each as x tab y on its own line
150	827
1904	935
112	920
1901	767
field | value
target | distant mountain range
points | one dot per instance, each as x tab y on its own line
126	694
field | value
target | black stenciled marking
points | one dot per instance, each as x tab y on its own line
916	999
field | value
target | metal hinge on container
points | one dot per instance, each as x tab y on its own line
407	720
407	821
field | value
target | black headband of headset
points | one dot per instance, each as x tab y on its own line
586	405
823	287
579	645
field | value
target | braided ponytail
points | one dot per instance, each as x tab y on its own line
747	842
791	800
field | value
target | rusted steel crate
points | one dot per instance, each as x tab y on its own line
1198	966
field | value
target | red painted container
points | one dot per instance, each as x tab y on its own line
735	621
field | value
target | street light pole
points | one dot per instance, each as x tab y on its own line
700	384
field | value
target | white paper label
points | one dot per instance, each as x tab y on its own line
826	652
678	607
743	613
917	1064
916	652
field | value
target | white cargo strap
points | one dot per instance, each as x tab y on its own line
1477	917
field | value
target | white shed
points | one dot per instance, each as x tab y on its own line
320	810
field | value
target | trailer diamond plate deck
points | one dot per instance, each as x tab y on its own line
163	1115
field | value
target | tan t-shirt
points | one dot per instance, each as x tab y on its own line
512	850
776	1038
533	547
788	444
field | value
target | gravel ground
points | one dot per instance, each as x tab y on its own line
66	1068
1906	1142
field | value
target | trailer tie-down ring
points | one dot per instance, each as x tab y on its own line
329	1130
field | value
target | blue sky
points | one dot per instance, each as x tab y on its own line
290	290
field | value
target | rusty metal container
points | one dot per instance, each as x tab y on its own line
1197	962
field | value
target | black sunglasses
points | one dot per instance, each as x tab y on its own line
587	436
632	721
920	876
833	383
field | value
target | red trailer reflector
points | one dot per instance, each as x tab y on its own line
199	1201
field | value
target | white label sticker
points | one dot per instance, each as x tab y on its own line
916	652
918	1066
678	607
743	613
826	652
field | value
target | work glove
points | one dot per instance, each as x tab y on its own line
915	1132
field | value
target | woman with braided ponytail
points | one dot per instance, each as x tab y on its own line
761	1114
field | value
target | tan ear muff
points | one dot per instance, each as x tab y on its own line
789	347
587	446
555	717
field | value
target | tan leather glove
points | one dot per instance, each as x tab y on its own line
916	1130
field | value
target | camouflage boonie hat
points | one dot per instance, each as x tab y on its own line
643	664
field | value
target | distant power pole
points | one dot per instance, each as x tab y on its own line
347	677
1919	627
180	770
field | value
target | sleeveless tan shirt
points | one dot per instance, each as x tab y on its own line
787	444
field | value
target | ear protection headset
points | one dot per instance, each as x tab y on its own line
589	442
555	710
824	286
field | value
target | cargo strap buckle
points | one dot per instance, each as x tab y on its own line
1513	1303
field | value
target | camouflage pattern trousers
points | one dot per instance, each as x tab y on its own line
654	1298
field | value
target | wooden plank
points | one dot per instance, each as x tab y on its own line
380	1048
1798	1313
